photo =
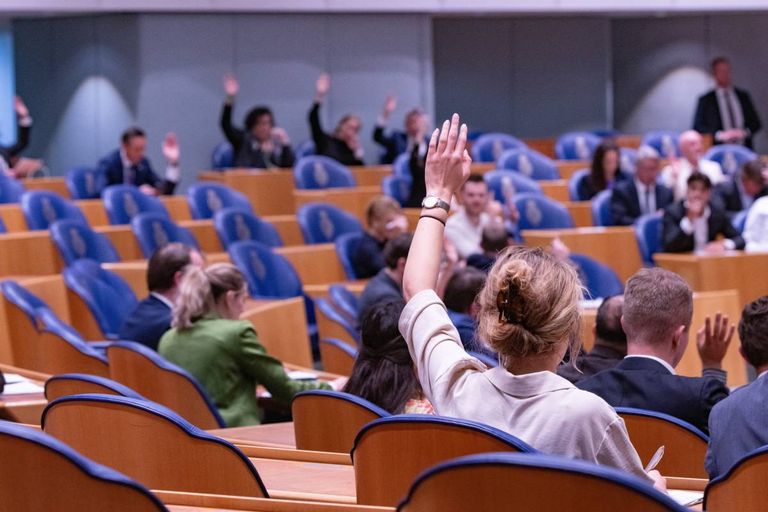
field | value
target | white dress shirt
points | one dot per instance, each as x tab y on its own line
756	227
465	235
684	169
542	409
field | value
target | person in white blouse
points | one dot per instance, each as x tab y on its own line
529	314
675	175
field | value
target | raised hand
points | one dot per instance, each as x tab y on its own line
712	343
281	136
390	103
322	85
448	162
21	109
171	150
231	85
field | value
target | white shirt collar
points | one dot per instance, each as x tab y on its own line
163	299
657	359
126	163
765	372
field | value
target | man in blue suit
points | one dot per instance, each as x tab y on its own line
152	316
739	424
128	165
658	307
642	195
413	139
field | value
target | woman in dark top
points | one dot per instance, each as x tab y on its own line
604	171
344	144
261	145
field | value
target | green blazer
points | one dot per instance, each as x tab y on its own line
225	356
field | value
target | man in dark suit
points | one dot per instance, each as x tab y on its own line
658	307
739	424
388	283
152	316
642	195
727	113
695	223
128	165
412	140
610	343
747	186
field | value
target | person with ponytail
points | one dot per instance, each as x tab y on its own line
528	314
222	352
383	371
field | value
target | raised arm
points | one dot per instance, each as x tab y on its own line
234	135
447	168
318	135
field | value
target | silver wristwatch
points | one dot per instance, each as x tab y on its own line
431	202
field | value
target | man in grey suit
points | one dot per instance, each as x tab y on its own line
739	423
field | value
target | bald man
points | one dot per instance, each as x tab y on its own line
675	175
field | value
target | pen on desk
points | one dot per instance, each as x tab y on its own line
655	459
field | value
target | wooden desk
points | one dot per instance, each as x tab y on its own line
282	329
287	227
352	200
745	272
628	141
177	206
555	189
568	168
205	234
13	218
275	434
193	502
544	146
581	211
123	240
315	264
370	175
307	480
54	184
28	253
613	246
27	408
270	192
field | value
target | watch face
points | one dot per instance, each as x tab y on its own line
429	202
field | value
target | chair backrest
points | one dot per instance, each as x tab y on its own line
151	444
328	313
328	421
345	301
43	343
600	280
543	483
43	207
316	172
85	182
10	190
205	199
76	240
389	453
540	212
742	487
402	165
68	384
124	202
306	148
529	163
109	298
648	234
322	223
576	145
152	376
739	220
236	225
574	182
730	156
2	226
397	187
222	156
269	275
685	446
627	159
337	357
504	184
346	246
489	146
154	230
601	208
39	472
666	142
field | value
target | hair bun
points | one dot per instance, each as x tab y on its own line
512	299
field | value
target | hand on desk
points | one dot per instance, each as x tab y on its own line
716	247
712	343
339	383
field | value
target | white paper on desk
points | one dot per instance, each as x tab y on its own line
685	497
13	378
300	375
21	388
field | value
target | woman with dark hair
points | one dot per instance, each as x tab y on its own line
343	145
383	372
261	145
604	172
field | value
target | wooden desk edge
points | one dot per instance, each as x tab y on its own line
192	499
292	454
686	484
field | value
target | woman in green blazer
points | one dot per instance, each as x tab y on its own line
222	352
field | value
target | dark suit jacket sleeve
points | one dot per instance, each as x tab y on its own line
751	118
700	121
286	158
675	239
584	190
381	138
730	232
113	171
235	136
712	391
319	137
22	141
620	207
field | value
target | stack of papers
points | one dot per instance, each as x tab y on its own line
686	498
15	384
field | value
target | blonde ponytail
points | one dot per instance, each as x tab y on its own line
200	289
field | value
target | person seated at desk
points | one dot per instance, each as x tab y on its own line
747	186
739	423
642	195
529	314
461	301
610	343
383	371
262	145
411	140
128	165
658	307
604	173
151	318
675	174
385	221
9	155
695	223
756	226
495	239
223	352
388	283
344	144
